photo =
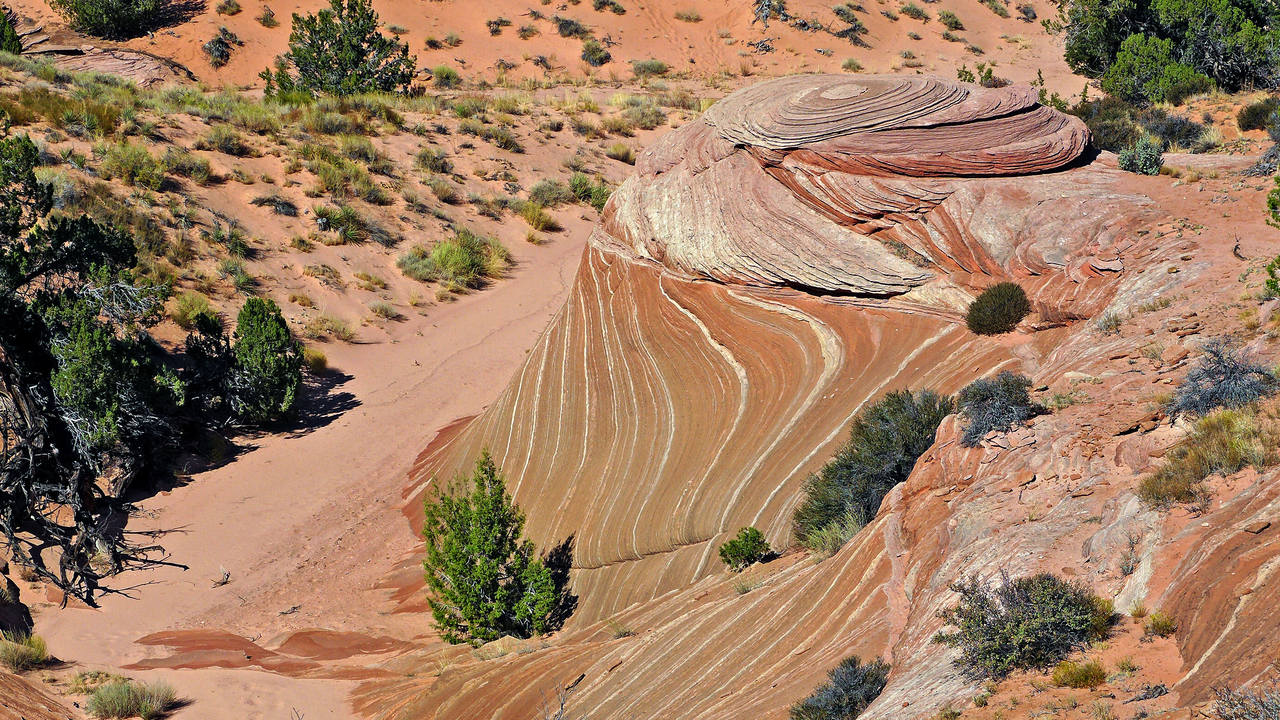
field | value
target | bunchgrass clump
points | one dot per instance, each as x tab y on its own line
1160	624
994	404
885	440
998	309
131	164
22	651
853	685
465	261
1021	624
188	306
1222	443
1089	674
129	699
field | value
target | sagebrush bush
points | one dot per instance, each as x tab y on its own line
996	404
747	548
1257	115
853	685
594	54
1021	624
1144	157
1222	443
129	699
885	440
1225	377
998	309
433	160
1247	703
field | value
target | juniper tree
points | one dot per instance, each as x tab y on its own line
484	579
267	371
339	51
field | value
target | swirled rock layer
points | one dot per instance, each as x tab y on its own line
805	181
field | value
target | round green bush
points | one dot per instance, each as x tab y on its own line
1256	116
998	309
1143	157
748	548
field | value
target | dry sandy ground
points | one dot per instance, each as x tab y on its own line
313	519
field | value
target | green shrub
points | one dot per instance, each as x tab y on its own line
444	190
224	139
464	261
187	164
219	47
129	699
112	19
267	369
748	548
851	65
132	164
568	27
1160	624
622	153
1088	674
594	54
433	160
1257	115
912	10
1143	157
1144	71
1223	443
1259	703
998	309
1028	623
994	404
950	21
445	77
279	204
853	686
314	359
885	440
483	579
21	651
550	193
646	68
340	51
188	306
538	218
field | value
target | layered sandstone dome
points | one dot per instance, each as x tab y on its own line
821	182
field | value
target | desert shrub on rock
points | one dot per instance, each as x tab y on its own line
996	404
1021	624
748	548
1223	442
1144	157
998	309
484	579
340	51
1225	377
853	685
885	440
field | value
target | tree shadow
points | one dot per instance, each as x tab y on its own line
559	560
173	12
322	402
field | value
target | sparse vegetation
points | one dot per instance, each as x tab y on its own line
853	685
1160	624
994	404
1089	674
747	548
998	309
1021	624
1225	377
885	440
1222	442
466	260
129	699
594	53
1262	703
21	652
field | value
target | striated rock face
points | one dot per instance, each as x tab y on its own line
801	249
821	183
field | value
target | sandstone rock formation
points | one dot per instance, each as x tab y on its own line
803	248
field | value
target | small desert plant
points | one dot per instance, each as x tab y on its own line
885	440
689	16
622	153
225	139
228	7
1144	157
219	48
1160	624
1088	674
445	77
267	18
384	310
912	10
851	65
1223	442
21	651
127	699
314	360
646	68
187	307
538	218
1225	377
464	261
594	54
187	164
1257	115
433	160
950	21
279	204
550	193
748	548
853	685
998	309
996	404
1027	623
326	326
132	164
1247	704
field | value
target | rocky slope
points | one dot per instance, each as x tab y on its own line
798	251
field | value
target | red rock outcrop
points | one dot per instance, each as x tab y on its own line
803	248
